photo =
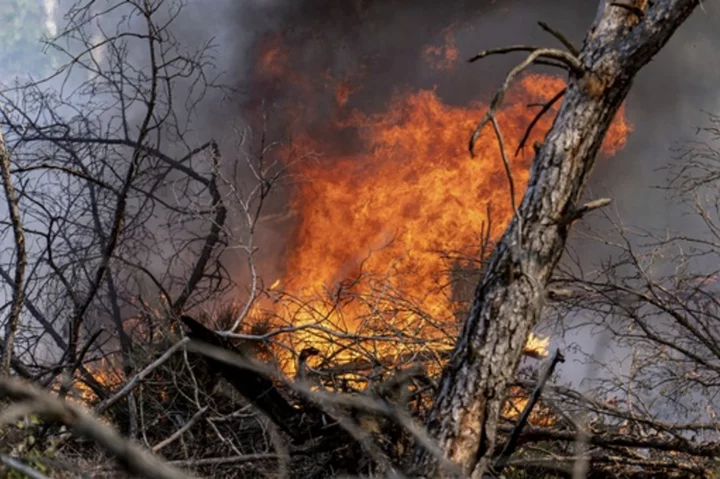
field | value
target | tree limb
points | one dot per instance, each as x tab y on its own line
20	259
510	298
134	458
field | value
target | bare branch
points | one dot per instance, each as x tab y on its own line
134	458
20	259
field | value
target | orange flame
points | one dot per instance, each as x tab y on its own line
537	347
443	57
380	218
540	416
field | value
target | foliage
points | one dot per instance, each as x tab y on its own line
20	441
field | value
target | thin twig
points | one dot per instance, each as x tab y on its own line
180	431
497	100
134	458
501	51
568	60
561	38
532	124
508	171
512	442
20	259
132	383
216	461
21	467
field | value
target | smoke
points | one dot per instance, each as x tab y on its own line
382	44
378	47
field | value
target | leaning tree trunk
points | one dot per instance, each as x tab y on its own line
510	298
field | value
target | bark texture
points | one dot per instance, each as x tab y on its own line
20	259
510	298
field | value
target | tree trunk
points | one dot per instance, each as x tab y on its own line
510	298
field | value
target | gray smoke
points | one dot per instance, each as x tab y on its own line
382	42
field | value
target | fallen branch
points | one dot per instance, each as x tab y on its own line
331	401
536	434
132	383
21	467
133	458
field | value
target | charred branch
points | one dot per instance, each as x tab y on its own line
257	388
588	207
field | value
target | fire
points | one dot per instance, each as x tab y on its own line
537	347
443	57
343	91
378	220
410	194
540	416
105	371
273	57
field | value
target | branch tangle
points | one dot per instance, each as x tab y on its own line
510	298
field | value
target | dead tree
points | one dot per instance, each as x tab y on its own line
510	298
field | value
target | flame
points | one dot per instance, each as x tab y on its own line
540	416
273	58
411	193
105	371
377	219
275	284
443	57
343	90
536	346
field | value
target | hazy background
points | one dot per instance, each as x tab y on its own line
382	43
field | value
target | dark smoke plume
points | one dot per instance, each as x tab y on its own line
379	46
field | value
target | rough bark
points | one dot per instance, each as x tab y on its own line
509	300
20	259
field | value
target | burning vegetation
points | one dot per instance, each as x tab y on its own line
390	228
389	224
332	359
